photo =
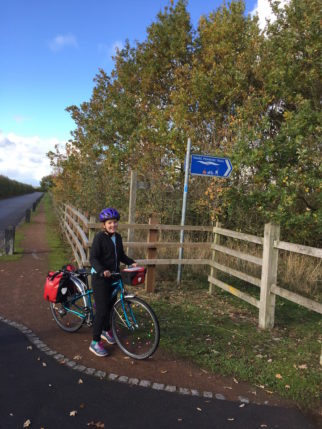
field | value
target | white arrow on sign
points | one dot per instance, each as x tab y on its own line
229	168
208	163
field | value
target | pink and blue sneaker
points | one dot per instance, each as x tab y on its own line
97	348
108	336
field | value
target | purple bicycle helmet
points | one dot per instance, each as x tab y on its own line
109	213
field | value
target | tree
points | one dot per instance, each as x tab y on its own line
277	131
46	183
236	91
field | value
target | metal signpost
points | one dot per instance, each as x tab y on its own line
201	165
184	205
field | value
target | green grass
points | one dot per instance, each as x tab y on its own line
220	334
60	252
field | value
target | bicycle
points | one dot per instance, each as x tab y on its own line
134	323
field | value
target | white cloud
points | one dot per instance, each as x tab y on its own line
110	50
24	158
19	118
117	46
264	11
61	41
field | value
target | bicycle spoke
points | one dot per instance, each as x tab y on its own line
70	314
135	328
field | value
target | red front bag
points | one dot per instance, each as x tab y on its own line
52	286
133	276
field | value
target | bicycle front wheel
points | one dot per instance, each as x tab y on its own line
135	328
71	313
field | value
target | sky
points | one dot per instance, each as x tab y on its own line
50	52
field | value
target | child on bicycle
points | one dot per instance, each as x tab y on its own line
106	254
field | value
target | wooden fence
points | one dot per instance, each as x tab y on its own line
80	231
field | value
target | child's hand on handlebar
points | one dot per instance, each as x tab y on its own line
107	273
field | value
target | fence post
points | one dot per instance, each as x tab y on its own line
213	271
91	234
28	214
152	254
9	240
268	277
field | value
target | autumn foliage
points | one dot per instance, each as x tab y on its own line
239	92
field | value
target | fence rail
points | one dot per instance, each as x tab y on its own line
80	232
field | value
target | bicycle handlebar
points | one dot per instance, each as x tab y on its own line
114	274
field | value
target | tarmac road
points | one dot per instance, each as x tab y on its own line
35	387
12	210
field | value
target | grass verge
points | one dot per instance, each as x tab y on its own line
60	253
219	333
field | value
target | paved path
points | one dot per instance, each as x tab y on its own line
35	387
12	210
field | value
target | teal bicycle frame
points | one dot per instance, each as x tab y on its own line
89	309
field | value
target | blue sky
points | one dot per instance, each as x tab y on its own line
50	53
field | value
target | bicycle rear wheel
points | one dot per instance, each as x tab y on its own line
135	328
71	313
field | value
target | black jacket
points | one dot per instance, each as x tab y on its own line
105	256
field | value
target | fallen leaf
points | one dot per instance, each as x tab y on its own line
73	413
199	409
287	386
44	364
241	405
304	366
96	424
231	419
29	347
260	385
82	405
27	424
77	357
263	426
235	381
279	376
80	381
163	371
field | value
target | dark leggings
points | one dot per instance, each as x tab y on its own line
104	303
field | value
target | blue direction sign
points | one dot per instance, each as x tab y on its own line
204	165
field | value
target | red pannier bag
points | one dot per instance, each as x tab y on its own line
53	286
133	276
